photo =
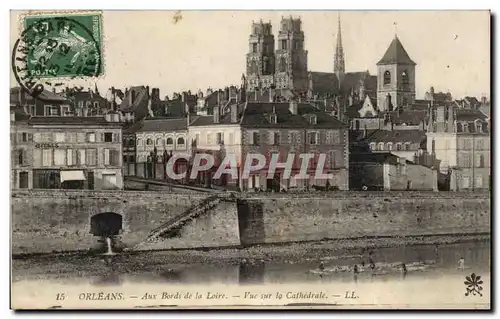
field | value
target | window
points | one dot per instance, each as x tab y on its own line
125	157
59	157
380	146
80	104
80	137
81	157
373	146
283	64
72	137
170	141
65	110
159	141
467	144
20	157
405	78
96	104
231	138
283	44
312	138
254	47
220	138
273	118
465	182
131	159
276	138
479	160
181	142
107	156
389	146
47	157
51	110
59	137
23	179
91	137
312	119
255	138
253	67
91	157
108	137
131	142
465	127
479	145
197	138
149	142
69	157
398	146
387	77
407	146
479	127
479	181
294	138
24	137
331	159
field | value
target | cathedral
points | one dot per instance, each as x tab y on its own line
284	70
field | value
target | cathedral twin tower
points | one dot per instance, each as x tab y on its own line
284	67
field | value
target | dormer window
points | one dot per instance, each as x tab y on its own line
479	127
273	119
312	120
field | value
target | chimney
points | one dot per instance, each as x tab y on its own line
430	125
234	113
131	97
216	114
293	107
451	119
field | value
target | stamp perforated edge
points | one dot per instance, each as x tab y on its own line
40	13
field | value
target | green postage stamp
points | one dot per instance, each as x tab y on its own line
62	45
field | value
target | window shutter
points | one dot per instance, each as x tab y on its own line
74	156
16	157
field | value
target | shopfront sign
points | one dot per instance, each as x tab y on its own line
46	145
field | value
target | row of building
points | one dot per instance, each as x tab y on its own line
374	131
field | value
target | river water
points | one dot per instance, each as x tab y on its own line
428	268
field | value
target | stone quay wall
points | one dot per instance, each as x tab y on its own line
54	220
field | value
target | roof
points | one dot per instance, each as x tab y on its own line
71	120
162	125
324	82
408	117
382	157
469	115
257	115
396	54
397	136
19	114
45	95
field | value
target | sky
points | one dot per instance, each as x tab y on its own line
207	48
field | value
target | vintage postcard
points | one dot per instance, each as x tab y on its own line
250	159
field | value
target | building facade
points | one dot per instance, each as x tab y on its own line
68	153
460	139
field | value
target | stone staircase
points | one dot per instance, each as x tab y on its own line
176	223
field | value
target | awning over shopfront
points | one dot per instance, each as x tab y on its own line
72	176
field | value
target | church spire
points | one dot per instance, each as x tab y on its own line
339	63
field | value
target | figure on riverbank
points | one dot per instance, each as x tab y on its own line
461	263
403	270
